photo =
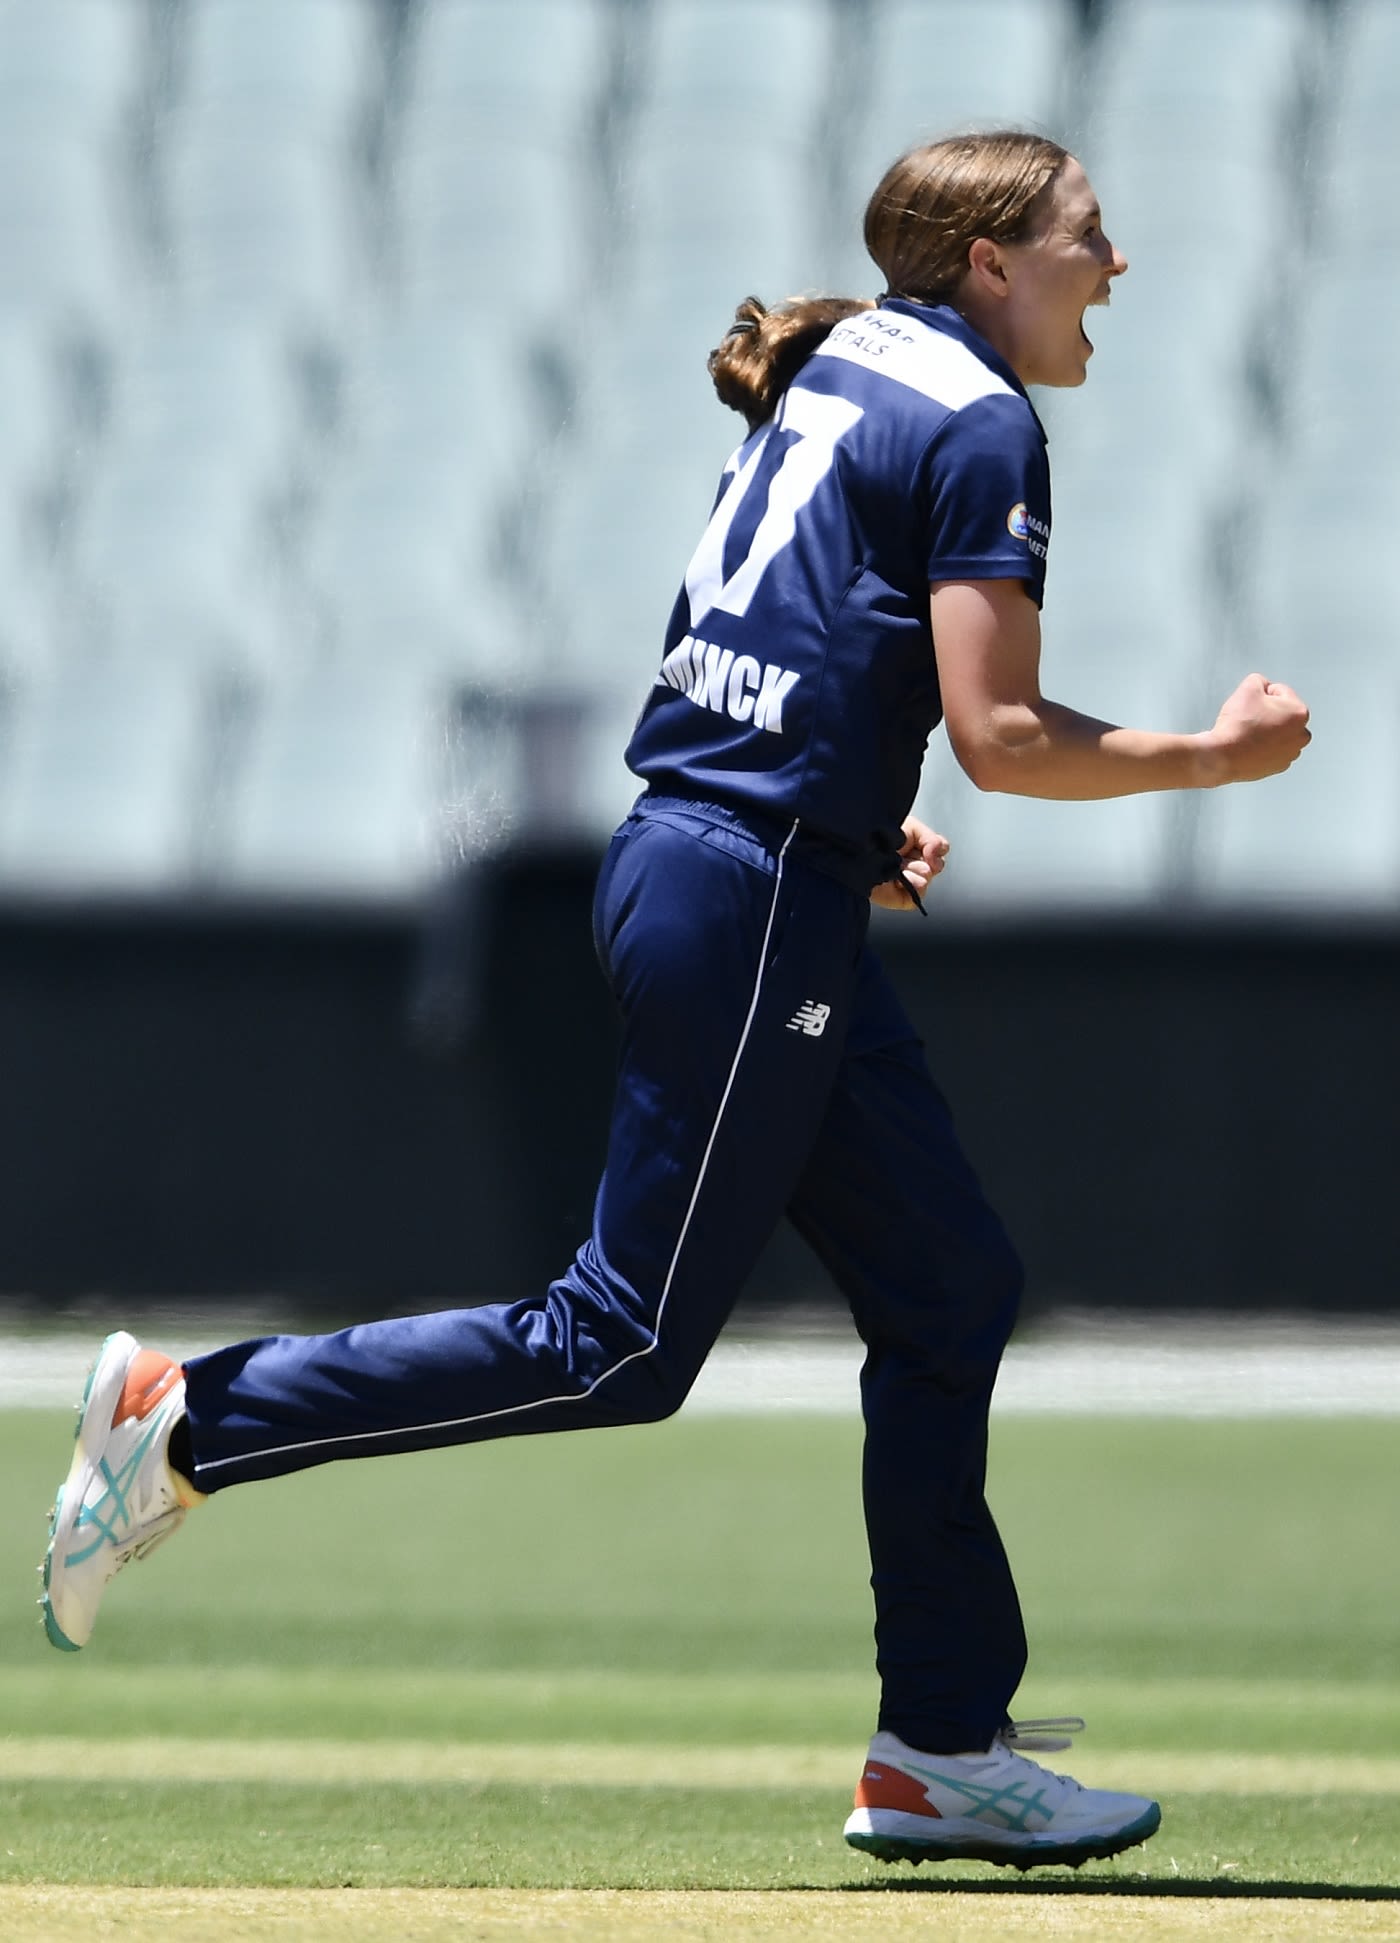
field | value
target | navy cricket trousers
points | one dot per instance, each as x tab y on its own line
766	1068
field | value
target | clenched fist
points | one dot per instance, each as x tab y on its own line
924	852
1262	728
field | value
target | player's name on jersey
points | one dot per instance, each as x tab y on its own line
731	684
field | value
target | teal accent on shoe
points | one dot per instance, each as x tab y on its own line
110	1509
995	1799
1037	1853
56	1635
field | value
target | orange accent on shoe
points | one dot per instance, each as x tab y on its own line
151	1377
886	1787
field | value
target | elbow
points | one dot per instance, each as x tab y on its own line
987	763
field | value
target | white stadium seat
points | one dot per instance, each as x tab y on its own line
1203	77
710	224
72	67
443	388
34	410
480	222
945	64
101	789
399	570
531	68
1367	97
1360	143
175	566
31	602
340	788
268	226
748	72
1341	408
207	388
67	251
724	189
250	67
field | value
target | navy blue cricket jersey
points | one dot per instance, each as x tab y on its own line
799	679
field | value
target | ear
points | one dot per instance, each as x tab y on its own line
987	267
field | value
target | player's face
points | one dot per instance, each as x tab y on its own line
1053	278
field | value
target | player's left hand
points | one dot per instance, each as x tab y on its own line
924	853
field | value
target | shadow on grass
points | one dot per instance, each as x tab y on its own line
1164	1886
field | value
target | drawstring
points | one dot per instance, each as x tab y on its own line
895	874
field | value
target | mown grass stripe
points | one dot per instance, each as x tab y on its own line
56	1915
643	1765
46	1693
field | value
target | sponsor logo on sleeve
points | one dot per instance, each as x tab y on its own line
1023	525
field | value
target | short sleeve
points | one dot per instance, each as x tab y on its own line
986	478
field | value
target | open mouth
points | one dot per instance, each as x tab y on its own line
1099	302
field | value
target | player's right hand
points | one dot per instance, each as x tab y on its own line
1262	728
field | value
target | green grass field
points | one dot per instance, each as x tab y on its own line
500	1686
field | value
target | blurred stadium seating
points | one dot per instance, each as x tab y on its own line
351	374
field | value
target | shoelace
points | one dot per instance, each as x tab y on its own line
1050	1736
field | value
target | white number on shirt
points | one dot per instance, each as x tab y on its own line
819	422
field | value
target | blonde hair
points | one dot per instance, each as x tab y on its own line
927	211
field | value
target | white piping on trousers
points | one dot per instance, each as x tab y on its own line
633	1356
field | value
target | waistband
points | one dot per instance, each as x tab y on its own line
857	869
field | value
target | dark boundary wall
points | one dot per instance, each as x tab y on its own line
314	1109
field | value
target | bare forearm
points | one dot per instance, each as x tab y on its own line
1045	749
1010	739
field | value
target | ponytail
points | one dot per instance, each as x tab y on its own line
763	350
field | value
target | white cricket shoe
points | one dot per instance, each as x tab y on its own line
992	1807
120	1498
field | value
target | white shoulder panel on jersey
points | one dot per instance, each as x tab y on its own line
916	355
